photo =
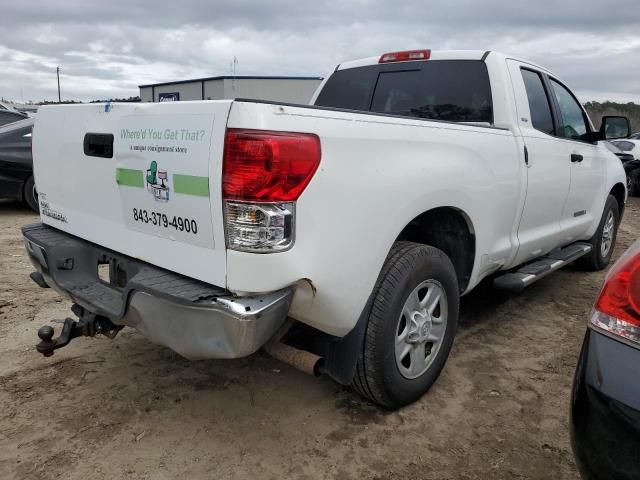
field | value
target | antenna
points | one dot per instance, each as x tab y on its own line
58	75
233	65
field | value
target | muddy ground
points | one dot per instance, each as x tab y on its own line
102	409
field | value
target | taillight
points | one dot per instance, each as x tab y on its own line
406	56
266	166
617	310
263	174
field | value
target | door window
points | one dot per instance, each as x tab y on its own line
573	122
539	105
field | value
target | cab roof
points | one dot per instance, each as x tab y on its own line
443	55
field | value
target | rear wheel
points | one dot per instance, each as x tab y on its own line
411	326
30	194
604	240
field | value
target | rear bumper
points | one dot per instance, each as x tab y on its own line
194	319
605	410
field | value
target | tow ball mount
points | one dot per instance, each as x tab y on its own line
87	325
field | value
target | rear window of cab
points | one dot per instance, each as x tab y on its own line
448	90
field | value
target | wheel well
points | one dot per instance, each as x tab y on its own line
618	192
450	230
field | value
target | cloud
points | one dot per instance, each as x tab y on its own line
106	49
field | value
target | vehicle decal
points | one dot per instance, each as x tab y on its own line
191	185
129	177
162	174
47	211
182	184
157	182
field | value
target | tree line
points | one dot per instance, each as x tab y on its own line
597	110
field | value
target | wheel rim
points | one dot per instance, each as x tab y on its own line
629	183
35	193
421	328
607	234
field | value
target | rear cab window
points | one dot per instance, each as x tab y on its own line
447	90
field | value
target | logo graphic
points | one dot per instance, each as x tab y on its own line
156	182
169	97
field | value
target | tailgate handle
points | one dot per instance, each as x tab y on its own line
98	145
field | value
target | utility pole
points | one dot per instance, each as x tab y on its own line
58	74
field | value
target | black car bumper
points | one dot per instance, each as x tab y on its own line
605	409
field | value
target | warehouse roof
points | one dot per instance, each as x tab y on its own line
230	77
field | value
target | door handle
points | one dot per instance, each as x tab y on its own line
576	157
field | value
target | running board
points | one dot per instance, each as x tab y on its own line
534	271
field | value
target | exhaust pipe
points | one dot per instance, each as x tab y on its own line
301	360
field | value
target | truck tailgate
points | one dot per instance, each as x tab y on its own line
143	179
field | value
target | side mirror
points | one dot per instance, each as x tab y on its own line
614	127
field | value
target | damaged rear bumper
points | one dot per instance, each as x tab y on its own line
195	319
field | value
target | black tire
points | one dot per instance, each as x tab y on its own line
30	195
378	376
634	180
597	259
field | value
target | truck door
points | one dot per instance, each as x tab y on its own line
547	167
587	164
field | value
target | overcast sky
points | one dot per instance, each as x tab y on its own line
108	48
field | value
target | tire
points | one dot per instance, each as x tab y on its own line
30	194
411	273
599	257
634	180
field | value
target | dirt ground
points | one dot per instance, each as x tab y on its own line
103	409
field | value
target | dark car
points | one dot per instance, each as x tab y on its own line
605	402
16	167
624	149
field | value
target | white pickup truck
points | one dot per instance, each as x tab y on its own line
340	234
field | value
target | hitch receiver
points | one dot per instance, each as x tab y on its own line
88	325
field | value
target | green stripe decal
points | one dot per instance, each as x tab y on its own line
130	178
191	185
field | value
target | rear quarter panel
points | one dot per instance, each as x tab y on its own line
377	174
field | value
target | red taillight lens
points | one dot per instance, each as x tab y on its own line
618	307
266	166
405	56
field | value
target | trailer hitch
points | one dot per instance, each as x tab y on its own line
87	325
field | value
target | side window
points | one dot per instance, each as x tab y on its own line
574	125
539	105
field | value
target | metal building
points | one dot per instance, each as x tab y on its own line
279	89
